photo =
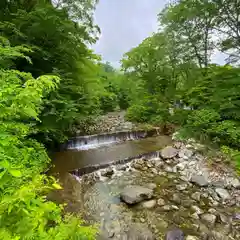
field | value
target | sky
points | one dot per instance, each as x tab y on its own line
125	24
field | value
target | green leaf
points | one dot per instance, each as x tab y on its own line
57	186
15	172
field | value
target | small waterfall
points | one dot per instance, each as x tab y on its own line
93	168
98	140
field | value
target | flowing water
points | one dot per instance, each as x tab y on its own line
94	192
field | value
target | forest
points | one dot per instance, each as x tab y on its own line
52	83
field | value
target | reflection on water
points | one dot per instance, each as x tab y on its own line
69	160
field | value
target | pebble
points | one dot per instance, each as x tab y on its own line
196	196
149	204
191	238
222	193
161	202
181	187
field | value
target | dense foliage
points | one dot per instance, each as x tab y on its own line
175	79
24	211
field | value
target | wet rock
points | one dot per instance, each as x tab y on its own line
134	194
160	202
169	152
181	187
139	231
149	204
212	211
199	180
185	153
168	169
209	218
196	196
176	234
222	193
107	172
192	238
121	167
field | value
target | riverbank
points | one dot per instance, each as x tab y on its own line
182	189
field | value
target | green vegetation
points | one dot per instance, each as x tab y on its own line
53	84
172	69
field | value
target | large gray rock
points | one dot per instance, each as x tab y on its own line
139	231
169	152
176	234
134	194
222	193
199	180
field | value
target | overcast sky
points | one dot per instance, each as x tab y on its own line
124	24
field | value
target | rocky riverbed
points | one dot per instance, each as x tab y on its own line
178	195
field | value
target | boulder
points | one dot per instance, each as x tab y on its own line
176	234
199	180
134	194
169	152
139	231
222	193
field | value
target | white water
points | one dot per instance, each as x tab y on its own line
96	141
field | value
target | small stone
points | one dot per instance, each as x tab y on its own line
167	208
181	166
199	180
181	187
168	169
224	218
151	186
197	210
174	207
142	220
212	211
169	152
176	234
191	238
154	171
235	183
195	216
222	193
161	202
196	196
209	218
149	204
185	153
176	198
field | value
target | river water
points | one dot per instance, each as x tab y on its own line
87	190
